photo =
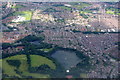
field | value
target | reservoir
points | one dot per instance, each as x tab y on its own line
67	59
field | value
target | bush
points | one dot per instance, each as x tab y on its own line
15	63
41	69
6	45
31	38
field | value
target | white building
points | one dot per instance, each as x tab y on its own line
19	19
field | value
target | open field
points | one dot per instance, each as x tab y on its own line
66	8
37	61
25	14
80	5
17	6
10	70
83	75
46	49
110	12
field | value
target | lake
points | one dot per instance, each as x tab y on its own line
67	59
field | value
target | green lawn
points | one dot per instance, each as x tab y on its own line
46	49
83	75
110	12
9	69
37	61
0	63
26	14
36	75
23	68
85	11
80	5
66	8
17	6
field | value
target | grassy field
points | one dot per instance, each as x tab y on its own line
83	75
37	61
26	14
85	11
23	68
17	6
76	5
66	8
9	69
0	63
46	49
110	12
80	5
36	75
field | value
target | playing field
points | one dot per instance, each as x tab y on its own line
26	14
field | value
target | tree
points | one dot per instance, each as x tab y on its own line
15	63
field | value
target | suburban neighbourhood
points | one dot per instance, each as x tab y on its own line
60	39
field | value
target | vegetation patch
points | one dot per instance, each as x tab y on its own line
46	49
17	6
15	63
10	69
51	10
25	15
31	38
112	10
80	5
17	66
37	61
66	8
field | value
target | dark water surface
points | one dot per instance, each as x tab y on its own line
66	58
